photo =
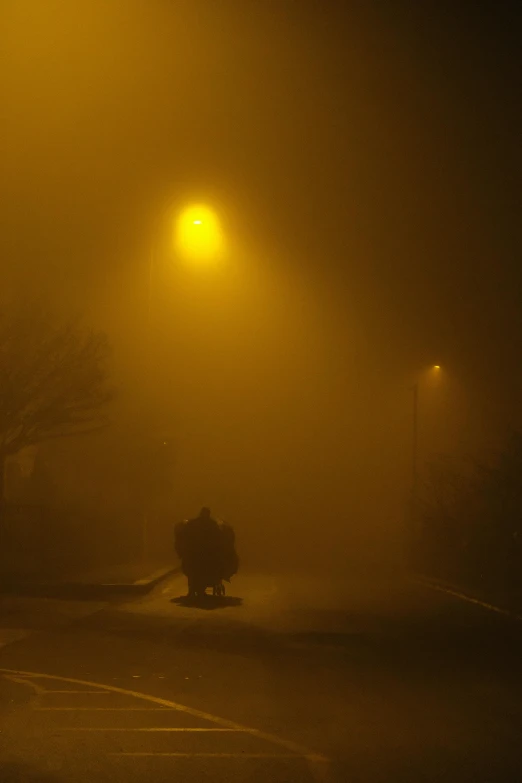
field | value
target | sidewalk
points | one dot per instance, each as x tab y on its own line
99	584
126	574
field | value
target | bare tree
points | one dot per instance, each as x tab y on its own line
53	380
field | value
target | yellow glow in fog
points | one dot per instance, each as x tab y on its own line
198	233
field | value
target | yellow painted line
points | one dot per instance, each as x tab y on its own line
101	709
315	761
20	680
215	755
145	728
294	747
102	693
44	691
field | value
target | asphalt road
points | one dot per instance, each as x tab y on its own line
287	679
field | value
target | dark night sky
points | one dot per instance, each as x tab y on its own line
369	151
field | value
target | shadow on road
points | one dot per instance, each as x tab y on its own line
207	601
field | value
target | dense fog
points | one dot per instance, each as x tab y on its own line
369	234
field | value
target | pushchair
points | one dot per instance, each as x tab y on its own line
199	585
206	561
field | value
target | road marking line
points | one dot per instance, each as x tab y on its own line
299	750
216	755
146	728
21	681
103	709
469	599
44	691
316	761
102	693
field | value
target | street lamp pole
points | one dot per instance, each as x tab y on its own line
145	514
414	452
199	237
411	515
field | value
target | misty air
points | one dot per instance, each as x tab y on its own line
260	427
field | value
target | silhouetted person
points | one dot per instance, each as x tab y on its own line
198	544
207	552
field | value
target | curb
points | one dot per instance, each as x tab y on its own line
89	591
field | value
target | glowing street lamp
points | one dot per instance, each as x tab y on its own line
198	234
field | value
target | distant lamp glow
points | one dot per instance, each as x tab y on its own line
198	233
436	366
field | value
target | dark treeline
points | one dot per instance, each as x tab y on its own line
471	521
